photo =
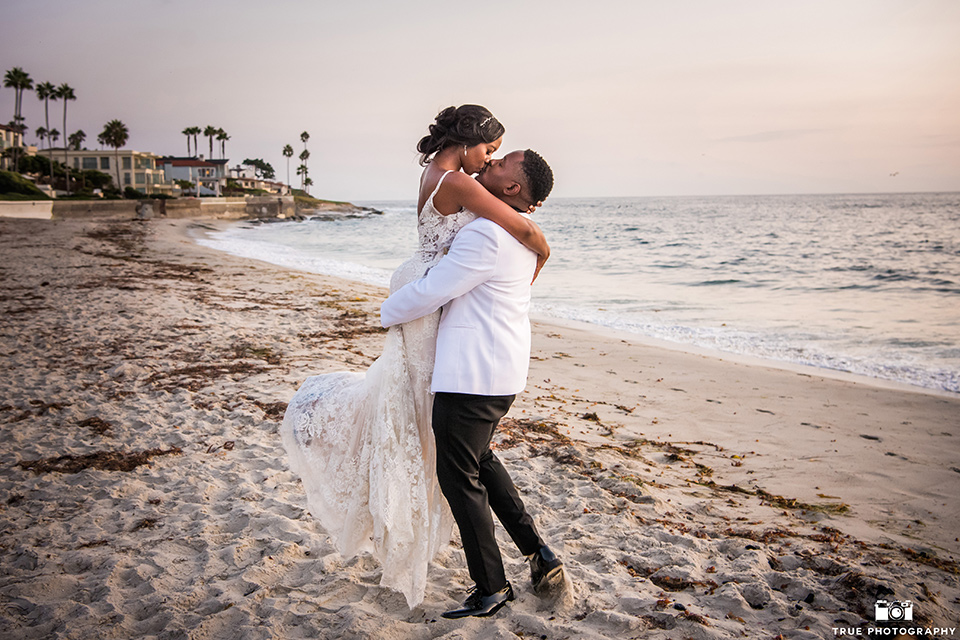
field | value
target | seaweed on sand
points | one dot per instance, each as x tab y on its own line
273	410
103	460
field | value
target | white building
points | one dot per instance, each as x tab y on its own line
138	169
211	174
246	177
9	137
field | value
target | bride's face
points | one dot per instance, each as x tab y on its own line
479	154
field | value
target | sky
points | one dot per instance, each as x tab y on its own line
622	97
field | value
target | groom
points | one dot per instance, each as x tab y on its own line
483	353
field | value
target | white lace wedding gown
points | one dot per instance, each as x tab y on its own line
363	442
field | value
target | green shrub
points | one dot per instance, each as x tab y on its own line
39	164
94	179
20	196
14	183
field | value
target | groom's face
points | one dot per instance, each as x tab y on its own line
503	177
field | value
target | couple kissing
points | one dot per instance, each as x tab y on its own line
390	458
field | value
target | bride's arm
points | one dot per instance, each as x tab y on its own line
473	197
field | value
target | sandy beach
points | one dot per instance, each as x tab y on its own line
145	491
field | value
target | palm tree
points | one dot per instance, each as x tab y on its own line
115	134
41	135
18	80
195	131
188	132
302	172
210	131
65	93
304	156
54	135
288	153
222	137
46	91
76	139
306	185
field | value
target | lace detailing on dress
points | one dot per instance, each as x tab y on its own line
363	442
435	232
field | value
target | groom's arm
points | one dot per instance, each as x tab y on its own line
470	262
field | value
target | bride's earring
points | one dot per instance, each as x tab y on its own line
464	151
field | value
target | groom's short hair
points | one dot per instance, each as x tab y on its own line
539	176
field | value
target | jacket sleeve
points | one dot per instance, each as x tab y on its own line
470	262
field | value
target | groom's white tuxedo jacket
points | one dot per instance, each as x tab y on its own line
483	285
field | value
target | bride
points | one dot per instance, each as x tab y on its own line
363	442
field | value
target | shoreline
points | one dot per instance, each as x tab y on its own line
653	342
689	496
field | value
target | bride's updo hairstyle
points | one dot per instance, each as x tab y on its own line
468	125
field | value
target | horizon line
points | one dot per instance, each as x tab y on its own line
723	195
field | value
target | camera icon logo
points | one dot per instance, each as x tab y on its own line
894	611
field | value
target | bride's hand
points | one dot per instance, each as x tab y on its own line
541	260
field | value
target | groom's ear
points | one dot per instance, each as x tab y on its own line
513	190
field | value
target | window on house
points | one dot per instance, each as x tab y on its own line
126	177
141	177
105	162
76	163
126	162
89	163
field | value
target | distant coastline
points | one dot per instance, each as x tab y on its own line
306	205
244	207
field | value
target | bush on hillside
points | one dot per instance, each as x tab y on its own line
15	184
39	164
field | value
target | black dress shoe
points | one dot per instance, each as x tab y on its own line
546	570
480	605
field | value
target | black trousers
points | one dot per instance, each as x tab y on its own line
474	481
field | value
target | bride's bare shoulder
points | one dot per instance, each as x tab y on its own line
449	197
457	183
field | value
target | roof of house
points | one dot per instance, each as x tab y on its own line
186	162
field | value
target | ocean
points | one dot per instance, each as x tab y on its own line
867	284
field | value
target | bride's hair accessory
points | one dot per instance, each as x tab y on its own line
467	125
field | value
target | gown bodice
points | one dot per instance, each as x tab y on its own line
435	233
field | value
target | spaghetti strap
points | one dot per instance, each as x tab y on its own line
429	201
439	182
